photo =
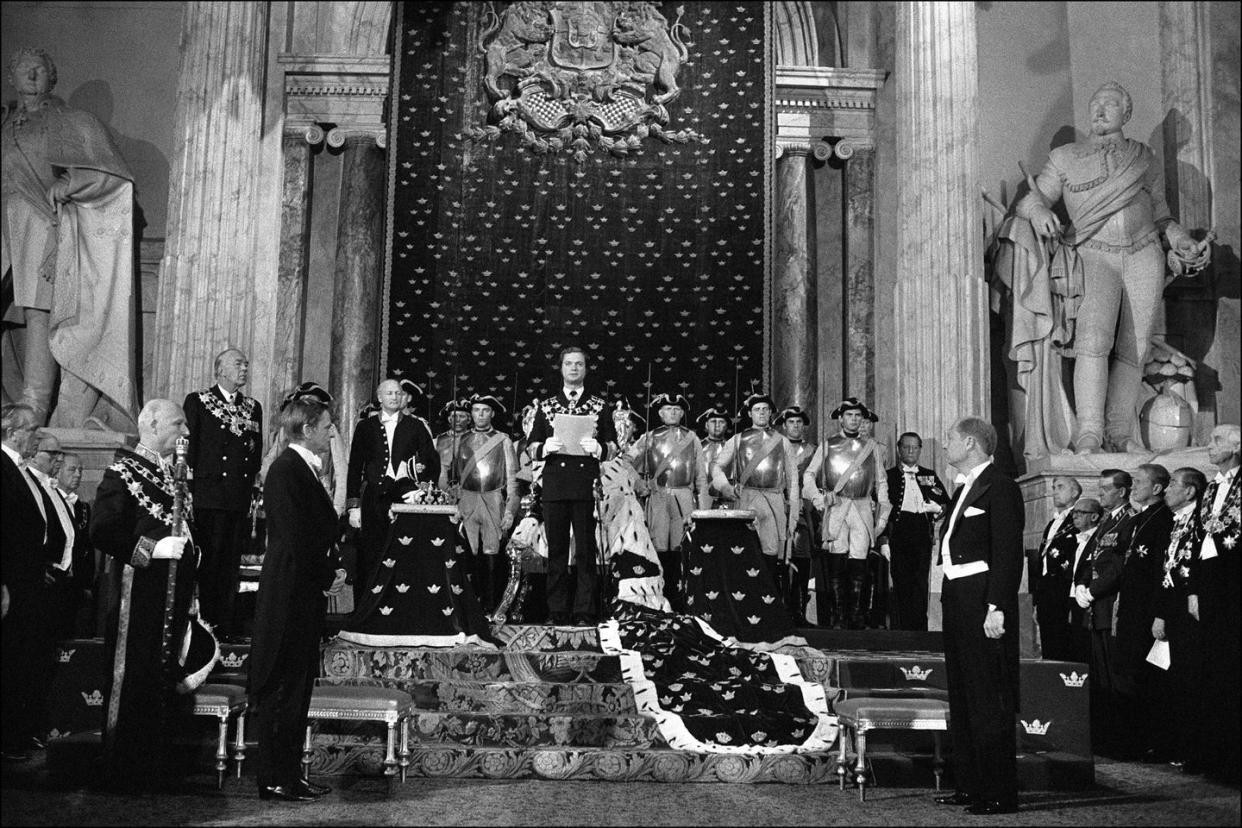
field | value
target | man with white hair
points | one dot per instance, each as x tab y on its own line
385	448
152	658
1215	578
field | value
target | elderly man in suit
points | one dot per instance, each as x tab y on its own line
32	544
918	498
385	448
300	570
982	557
226	451
1052	571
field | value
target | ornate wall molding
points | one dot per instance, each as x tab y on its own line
331	97
814	102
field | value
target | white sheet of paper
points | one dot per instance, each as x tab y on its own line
571	430
1159	654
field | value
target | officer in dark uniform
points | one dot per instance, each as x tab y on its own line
226	451
918	497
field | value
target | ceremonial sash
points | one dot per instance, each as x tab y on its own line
758	457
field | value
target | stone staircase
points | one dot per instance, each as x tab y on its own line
550	705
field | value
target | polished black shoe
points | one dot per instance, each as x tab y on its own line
988	807
955	798
312	788
287	793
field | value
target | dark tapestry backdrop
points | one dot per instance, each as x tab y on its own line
652	262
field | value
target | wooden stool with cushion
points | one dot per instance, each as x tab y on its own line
224	701
365	704
859	715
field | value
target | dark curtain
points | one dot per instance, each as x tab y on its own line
499	255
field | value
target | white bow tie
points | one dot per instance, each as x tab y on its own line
390	418
909	469
961	479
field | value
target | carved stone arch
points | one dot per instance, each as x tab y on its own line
796	40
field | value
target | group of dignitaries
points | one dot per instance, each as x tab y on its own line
1153	558
820	508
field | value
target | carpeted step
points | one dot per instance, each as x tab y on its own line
346	755
534	730
435	695
345	660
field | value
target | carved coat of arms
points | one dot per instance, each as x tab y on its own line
578	75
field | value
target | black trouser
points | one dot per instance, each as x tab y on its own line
1186	677
280	715
1052	615
27	662
910	547
221	535
983	687
558	517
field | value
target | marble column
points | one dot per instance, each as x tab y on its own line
291	272
1185	62
359	274
793	292
941	299
860	345
207	294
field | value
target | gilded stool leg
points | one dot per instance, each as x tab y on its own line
306	752
937	760
405	746
390	757
239	747
843	759
860	764
222	751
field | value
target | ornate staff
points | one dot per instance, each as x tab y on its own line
180	486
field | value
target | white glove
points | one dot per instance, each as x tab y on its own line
355	517
169	548
552	445
932	507
817	500
1083	596
591	446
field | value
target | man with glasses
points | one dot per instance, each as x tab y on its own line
45	466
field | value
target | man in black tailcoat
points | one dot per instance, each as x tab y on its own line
982	557
568	495
1052	571
1134	611
300	569
386	447
33	543
226	451
918	497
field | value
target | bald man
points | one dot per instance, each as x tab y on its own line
384	449
226	451
133	525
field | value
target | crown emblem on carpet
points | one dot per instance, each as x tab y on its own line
93	698
578	77
65	656
1036	728
1073	679
915	673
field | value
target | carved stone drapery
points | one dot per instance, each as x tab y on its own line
941	299
208	285
793	295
